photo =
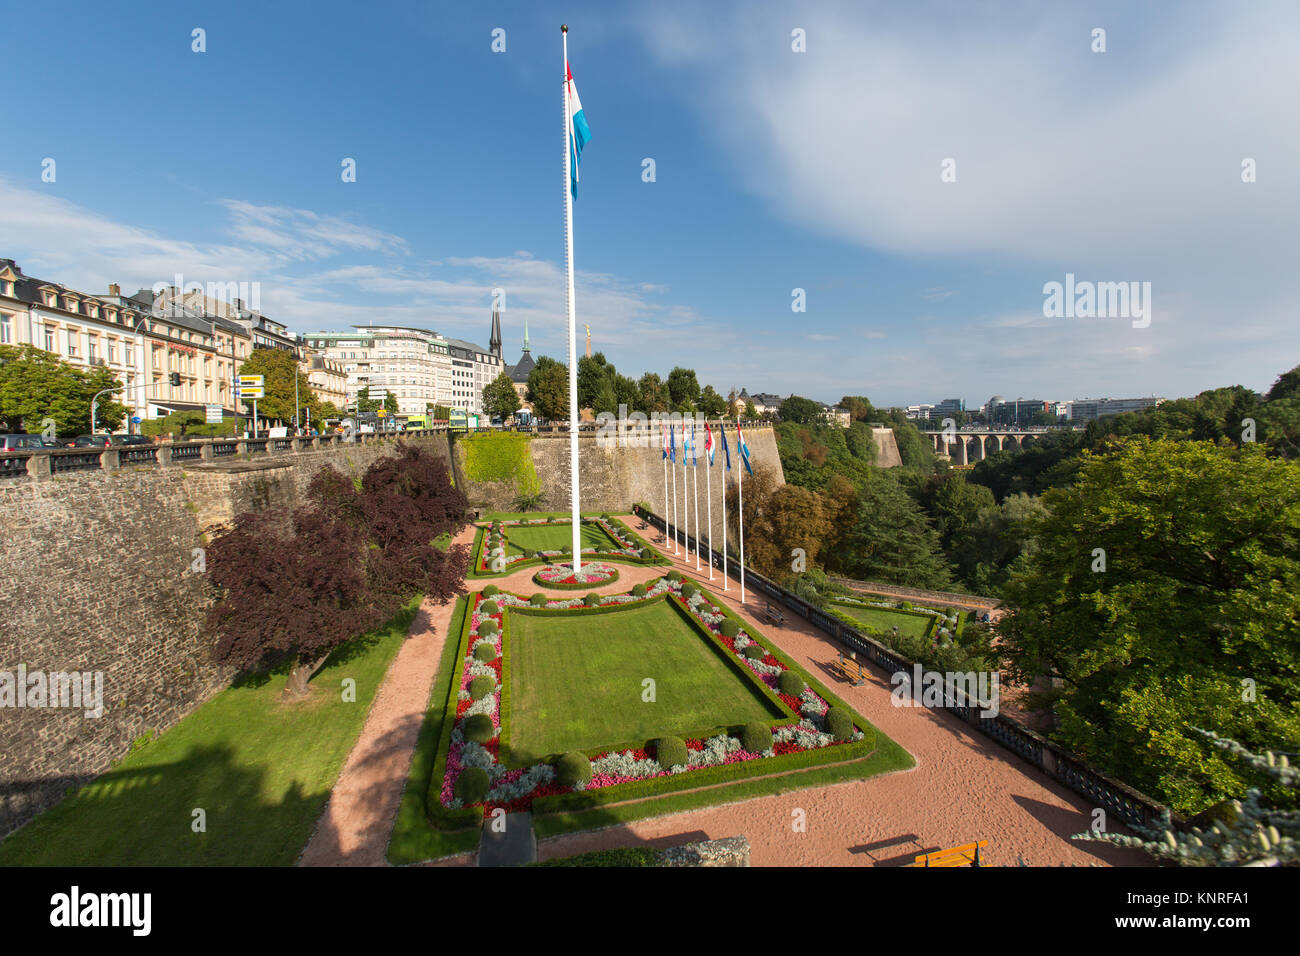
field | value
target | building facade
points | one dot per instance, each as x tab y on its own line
1090	409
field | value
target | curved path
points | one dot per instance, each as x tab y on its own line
963	788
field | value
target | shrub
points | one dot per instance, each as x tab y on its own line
529	553
472	785
756	737
907	605
487	628
754	652
550	519
670	751
592	600
791	683
478	728
839	723
572	769
605	515
646	554
481	686
639	589
729	628
491	590
674	576
538	600
485	652
488	607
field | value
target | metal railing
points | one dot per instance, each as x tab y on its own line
1116	797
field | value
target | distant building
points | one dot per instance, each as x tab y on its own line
919	412
947	407
1090	409
520	371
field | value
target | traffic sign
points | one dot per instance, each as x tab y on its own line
381	412
248	392
214	416
135	419
257	381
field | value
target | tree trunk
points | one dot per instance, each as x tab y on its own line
302	672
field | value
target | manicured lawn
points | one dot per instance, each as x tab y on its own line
579	686
553	537
883	619
260	768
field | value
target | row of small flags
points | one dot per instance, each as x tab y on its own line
689	445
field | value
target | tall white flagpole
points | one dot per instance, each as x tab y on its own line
708	499
695	485
726	584
573	345
686	499
740	485
665	457
674	471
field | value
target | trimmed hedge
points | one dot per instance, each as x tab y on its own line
756	737
674	576
478	728
639	589
487	628
538	600
791	683
729	628
592	600
840	723
689	590
754	652
485	652
480	687
670	752
472	785
491	590
572	769
489	607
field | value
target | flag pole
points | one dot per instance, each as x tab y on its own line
695	486
674	471
573	347
663	436
726	467
708	498
740	486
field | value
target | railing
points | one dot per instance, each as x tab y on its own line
1118	798
920	594
43	463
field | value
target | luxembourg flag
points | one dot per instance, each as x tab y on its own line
579	131
708	444
743	449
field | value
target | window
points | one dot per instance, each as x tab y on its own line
6	334
49	340
128	355
72	344
91	352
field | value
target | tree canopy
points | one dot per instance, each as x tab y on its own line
36	385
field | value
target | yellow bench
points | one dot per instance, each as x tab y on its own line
968	855
852	670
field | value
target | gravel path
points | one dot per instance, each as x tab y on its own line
964	787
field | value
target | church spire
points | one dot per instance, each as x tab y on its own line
525	335
494	344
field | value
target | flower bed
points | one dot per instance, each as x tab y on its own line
492	557
561	576
796	739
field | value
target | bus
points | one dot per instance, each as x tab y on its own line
417	421
462	420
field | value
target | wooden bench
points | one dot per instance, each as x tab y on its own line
968	855
774	614
852	670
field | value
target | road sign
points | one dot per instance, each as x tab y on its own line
214	416
380	412
135	420
249	392
257	381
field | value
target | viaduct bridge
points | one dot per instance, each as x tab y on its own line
967	447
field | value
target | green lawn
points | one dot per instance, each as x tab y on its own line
884	620
579	686
554	537
260	768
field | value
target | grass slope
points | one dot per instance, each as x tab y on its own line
883	619
260	768
579	687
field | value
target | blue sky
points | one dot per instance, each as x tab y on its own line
775	170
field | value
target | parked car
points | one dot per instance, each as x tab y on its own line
21	442
91	441
132	440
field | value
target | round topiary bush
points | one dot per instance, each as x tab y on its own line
491	590
485	652
839	723
538	600
529	553
639	589
605	515
670	752
481	686
472	785
729	628
754	652
478	728
592	600
689	590
572	769
488	607
646	554
756	737
791	683
487	628
674	576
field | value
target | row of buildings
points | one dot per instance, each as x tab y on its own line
145	338
1002	411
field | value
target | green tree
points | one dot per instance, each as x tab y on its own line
627	393
279	369
892	540
595	383
366	404
36	385
500	397
548	388
711	404
654	396
1286	386
683	389
751	411
1164	594
801	411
